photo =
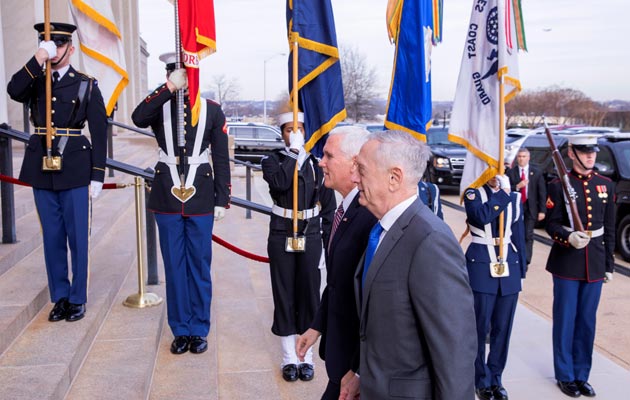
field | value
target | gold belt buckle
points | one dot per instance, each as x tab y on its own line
300	215
496	241
589	233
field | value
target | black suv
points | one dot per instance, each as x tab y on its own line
254	140
613	161
447	158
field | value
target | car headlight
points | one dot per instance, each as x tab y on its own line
441	162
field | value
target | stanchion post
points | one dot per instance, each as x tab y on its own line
110	143
141	299
7	196
152	269
248	190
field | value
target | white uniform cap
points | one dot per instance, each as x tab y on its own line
288	117
169	58
584	142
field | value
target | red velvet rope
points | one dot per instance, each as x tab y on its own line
239	251
217	239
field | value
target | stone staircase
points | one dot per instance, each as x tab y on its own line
117	352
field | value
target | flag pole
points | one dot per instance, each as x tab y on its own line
179	100
295	243
49	163
501	153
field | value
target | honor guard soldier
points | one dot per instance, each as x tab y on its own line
295	276
495	282
62	194
185	215
429	193
579	262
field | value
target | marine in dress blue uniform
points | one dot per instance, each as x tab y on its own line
578	272
295	276
62	197
185	224
429	193
495	297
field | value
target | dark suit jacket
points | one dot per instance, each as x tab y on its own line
336	317
536	190
417	322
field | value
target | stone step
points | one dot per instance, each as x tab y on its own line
121	360
44	359
134	150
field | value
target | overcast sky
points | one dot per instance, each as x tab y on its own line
580	44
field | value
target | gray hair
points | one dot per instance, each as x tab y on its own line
401	148
351	139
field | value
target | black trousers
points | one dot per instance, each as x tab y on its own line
295	279
332	391
529	237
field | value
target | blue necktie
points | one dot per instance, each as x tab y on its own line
375	234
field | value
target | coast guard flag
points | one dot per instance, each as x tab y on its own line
320	89
197	30
101	42
411	26
490	53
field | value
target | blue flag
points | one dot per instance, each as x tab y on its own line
409	102
320	88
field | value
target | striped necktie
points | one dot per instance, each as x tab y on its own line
336	222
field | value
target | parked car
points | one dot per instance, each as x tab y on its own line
447	158
253	140
613	161
514	138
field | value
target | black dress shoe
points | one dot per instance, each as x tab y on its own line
198	344
484	393
290	373
180	344
569	388
499	392
75	312
306	372
59	311
585	388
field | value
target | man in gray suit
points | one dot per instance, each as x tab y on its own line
417	320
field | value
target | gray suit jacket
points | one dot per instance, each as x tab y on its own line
417	320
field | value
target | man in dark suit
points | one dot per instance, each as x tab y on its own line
336	318
495	286
185	218
62	196
416	306
530	183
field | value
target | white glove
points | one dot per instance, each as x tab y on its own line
296	140
609	277
95	188
504	182
302	156
219	213
50	48
179	78
579	239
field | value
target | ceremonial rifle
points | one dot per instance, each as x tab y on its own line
569	193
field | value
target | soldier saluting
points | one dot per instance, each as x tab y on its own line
62	193
580	261
186	217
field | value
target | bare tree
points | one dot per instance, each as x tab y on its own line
225	90
565	105
358	84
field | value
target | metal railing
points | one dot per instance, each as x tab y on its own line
7	195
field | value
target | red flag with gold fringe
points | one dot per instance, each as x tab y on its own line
197	30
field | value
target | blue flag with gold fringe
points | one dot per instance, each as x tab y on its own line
411	27
320	88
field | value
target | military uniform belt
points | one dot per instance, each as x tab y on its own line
288	213
490	241
58	131
593	234
172	160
